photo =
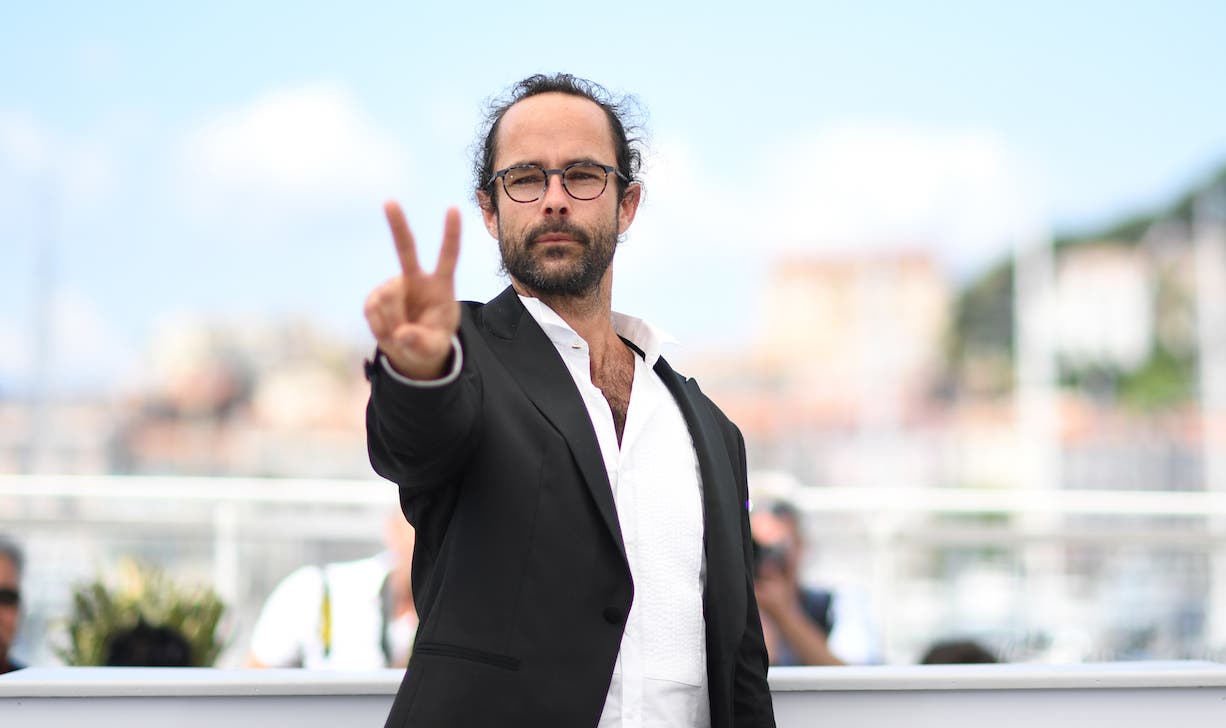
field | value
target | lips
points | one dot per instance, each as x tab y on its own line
554	238
556	233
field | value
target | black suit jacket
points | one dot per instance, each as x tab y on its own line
520	575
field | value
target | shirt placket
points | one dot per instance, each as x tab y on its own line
630	656
627	497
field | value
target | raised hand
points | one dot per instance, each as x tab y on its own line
414	315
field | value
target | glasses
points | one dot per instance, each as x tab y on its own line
9	597
581	180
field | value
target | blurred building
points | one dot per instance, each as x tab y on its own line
848	354
1104	298
217	397
238	398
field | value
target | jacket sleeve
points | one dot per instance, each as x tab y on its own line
751	695
419	437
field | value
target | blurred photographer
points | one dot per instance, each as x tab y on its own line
796	621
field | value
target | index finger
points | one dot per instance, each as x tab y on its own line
406	250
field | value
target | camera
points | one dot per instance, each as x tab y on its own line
766	558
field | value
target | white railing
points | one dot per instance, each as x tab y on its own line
1124	566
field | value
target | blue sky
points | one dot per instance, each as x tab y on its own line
229	159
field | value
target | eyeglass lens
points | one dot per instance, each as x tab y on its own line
9	597
581	181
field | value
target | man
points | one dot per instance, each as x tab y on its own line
802	626
583	553
351	615
11	561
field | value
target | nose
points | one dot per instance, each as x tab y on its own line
555	201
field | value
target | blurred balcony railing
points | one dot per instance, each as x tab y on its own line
1050	575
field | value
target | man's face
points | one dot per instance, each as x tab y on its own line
8	613
558	245
777	533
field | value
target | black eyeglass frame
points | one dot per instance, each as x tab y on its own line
502	175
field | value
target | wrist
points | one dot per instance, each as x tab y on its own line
429	374
417	369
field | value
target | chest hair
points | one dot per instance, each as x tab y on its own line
614	376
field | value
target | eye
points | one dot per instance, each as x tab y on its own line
525	177
587	173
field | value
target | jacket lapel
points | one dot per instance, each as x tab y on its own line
528	354
721	511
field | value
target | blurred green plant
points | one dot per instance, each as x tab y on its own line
141	592
1165	381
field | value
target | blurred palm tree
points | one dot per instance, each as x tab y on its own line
141	593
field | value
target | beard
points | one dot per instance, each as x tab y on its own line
554	270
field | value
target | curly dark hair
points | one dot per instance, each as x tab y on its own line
624	114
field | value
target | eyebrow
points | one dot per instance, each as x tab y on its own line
576	160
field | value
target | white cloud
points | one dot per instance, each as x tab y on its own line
713	225
961	194
24	147
297	150
958	193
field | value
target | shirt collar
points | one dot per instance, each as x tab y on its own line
649	339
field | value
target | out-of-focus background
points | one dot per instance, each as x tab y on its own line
958	270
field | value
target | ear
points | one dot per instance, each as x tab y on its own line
628	207
488	213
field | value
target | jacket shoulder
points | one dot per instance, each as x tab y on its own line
700	397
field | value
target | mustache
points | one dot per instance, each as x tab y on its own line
558	225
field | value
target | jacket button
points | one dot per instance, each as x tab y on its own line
614	615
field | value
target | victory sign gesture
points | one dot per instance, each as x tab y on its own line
414	315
